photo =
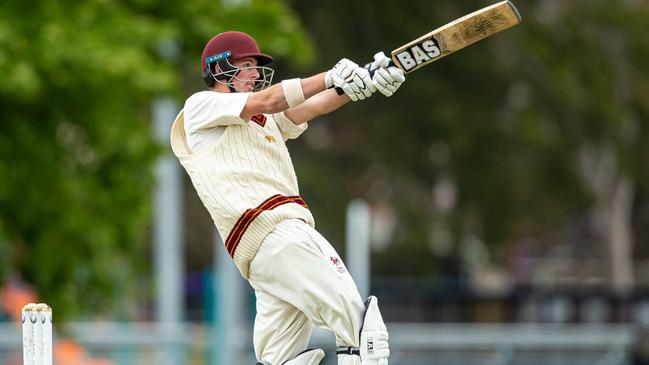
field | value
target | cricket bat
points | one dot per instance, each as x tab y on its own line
454	36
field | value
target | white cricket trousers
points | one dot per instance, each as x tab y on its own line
300	281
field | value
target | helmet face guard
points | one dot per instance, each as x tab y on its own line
228	73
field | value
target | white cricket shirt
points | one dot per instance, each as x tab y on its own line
241	170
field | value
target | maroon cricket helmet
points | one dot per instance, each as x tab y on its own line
240	44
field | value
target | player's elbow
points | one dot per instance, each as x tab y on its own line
275	104
267	104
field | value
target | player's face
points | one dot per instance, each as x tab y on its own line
245	79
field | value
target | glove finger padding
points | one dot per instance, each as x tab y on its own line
397	74
364	90
382	76
388	80
367	80
344	85
349	91
343	69
346	71
383	90
360	83
381	83
363	80
355	87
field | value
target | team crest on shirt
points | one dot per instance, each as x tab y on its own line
270	138
259	119
338	264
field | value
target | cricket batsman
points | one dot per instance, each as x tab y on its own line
230	139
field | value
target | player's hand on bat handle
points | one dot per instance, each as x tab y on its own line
351	79
386	77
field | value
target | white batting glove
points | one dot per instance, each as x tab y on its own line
386	79
354	80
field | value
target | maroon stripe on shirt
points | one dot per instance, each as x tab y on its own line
249	216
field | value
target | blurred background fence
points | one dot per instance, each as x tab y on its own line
411	344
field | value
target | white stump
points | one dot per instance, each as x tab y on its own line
37	334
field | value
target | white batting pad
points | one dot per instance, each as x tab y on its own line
374	345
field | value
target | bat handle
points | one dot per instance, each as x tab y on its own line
340	91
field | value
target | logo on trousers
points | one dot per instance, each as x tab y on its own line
370	345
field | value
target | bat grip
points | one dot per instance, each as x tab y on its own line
340	91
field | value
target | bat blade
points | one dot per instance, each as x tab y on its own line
456	35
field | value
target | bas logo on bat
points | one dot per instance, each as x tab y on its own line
454	36
421	52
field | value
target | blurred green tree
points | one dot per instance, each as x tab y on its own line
75	140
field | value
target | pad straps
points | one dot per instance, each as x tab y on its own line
348	350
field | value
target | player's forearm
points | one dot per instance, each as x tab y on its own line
322	103
273	99
313	85
327	102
